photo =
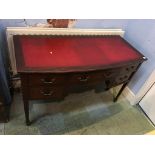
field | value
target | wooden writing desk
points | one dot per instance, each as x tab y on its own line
51	67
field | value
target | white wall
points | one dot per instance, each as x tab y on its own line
141	34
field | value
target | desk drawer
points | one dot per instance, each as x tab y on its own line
86	78
46	79
44	92
124	70
123	78
130	68
112	73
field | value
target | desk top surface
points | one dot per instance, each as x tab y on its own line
47	52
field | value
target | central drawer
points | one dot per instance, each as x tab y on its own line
86	77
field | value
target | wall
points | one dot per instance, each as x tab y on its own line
102	23
140	33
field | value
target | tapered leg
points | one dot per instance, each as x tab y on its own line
26	109
120	91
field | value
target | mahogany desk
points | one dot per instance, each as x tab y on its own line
51	67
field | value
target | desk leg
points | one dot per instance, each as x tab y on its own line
120	91
26	109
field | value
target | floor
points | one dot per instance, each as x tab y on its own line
87	113
151	132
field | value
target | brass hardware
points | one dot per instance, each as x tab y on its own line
108	74
48	82
121	78
83	79
47	94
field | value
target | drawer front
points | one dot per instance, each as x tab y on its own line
120	79
124	70
112	73
86	78
129	68
44	92
46	79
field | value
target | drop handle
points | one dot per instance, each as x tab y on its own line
83	79
48	82
107	74
47	93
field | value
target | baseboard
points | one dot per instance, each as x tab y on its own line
127	93
130	96
4	113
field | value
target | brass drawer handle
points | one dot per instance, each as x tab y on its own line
83	79
121	78
48	82
47	94
108	74
127	69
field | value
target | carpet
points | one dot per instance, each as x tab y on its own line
87	113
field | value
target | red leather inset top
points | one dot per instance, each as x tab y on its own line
75	51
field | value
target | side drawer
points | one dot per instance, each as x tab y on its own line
109	73
120	79
45	92
126	69
37	79
130	68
